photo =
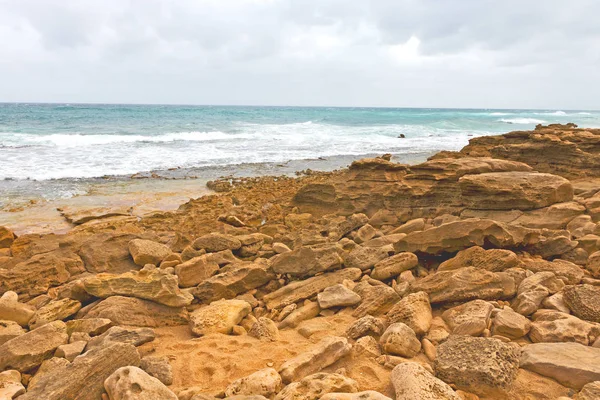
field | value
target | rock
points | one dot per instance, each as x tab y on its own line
533	290
367	232
366	395
265	382
218	317
55	310
150	283
413	310
307	260
251	244
337	296
325	353
265	330
477	365
572	364
7	237
137	312
214	242
10	384
583	301
107	252
300	290
91	326
366	257
339	229
494	260
412	381
118	334
514	190
376	300
367	325
70	351
9	330
314	386
465	284
554	326
398	339
439	331
12	310
27	351
367	346
280	248
132	383
471	318
556	302
590	391
571	273
148	252
159	368
394	266
196	270
510	324
239	278
309	310
459	235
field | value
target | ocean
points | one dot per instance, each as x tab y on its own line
45	146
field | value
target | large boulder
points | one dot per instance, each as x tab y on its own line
54	310
337	296
399	340
107	252
133	383
12	310
470	318
84	378
514	190
366	257
412	381
196	270
413	310
307	260
459	235
493	260
475	364
137	312
510	324
219	317
572	364
148	252
558	327
10	385
465	284
265	382
583	301
393	266
325	353
376	299
150	284
9	330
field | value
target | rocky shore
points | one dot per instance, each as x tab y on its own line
474	275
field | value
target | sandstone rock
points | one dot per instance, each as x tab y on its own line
572	364
514	190
465	284
9	330
117	334
137	312
251	244
376	300
366	257
7	237
196	270
307	260
338	229
70	351
583	301
367	232
265	330
27	351
265	382
398	339
314	386
590	391
159	368
367	325
280	248
10	384
150	283
55	310
91	326
12	310
413	310
459	235
532	291
300	290
494	260
412	381
477	365
218	317
367	346
239	278
337	296
394	266
556	302
214	242
148	252
309	310
557	327
471	318
366	395
107	252
325	353
510	324
132	383
571	273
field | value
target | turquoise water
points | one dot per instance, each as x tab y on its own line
62	141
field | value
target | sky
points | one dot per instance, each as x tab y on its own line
390	53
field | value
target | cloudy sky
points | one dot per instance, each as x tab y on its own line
404	53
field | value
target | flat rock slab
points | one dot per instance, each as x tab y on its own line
572	364
219	317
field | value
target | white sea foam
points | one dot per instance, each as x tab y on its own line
496	114
522	121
